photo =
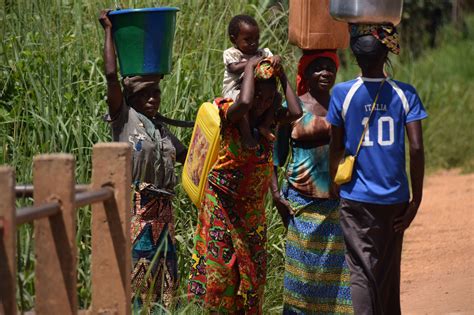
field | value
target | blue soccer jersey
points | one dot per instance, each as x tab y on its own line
379	173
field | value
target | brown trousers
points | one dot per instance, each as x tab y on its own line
373	256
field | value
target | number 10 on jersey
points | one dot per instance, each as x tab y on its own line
383	122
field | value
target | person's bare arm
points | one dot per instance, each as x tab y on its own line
282	205
237	67
417	173
275	60
268	118
294	110
336	154
114	91
247	91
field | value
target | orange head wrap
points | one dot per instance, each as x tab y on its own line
306	60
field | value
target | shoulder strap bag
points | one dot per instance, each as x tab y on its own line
346	167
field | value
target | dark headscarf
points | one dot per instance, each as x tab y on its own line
135	84
385	33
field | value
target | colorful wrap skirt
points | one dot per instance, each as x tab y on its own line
228	269
317	279
155	272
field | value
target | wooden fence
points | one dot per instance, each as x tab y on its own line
56	198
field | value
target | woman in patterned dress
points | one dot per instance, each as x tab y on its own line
316	277
229	258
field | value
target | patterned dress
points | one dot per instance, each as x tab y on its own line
229	258
316	277
154	149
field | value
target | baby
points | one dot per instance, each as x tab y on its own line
244	34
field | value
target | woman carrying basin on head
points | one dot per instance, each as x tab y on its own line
133	109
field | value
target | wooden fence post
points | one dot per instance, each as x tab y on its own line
55	236
7	242
111	256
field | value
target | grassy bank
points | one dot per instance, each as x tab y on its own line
52	92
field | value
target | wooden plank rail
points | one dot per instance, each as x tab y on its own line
26	191
56	199
90	197
29	214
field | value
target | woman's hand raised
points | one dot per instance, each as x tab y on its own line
104	19
254	60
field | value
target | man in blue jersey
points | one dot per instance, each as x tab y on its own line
376	206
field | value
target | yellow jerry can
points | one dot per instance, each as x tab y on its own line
202	152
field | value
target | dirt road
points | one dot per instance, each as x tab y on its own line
438	255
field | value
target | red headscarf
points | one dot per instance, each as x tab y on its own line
306	60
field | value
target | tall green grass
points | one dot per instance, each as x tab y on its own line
444	79
52	90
